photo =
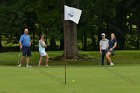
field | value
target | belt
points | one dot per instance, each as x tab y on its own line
26	46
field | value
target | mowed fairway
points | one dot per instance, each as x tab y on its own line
90	79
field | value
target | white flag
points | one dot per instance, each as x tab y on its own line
72	14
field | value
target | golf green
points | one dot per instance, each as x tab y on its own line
80	79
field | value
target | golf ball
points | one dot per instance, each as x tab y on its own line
73	81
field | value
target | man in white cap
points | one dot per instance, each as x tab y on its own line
103	45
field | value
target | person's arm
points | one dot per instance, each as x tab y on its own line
115	45
107	45
43	43
100	47
20	44
30	41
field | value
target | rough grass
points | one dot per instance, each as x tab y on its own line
120	58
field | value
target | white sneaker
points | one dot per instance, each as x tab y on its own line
39	64
28	66
19	65
47	65
111	64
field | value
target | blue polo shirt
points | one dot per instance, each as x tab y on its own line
25	40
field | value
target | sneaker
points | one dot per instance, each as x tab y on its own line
111	64
28	66
47	65
39	64
19	65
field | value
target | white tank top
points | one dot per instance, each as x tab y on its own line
41	46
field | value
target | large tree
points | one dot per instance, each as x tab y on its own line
70	34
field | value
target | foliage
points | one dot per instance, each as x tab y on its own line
46	16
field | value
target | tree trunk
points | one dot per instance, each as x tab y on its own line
0	43
33	33
94	46
53	44
34	40
84	41
121	20
70	35
138	37
62	43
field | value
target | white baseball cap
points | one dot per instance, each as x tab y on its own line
103	34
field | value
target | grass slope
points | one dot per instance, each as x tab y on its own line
120	58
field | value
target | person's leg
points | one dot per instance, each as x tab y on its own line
21	61
103	55
40	61
108	58
47	59
28	52
23	56
108	63
28	59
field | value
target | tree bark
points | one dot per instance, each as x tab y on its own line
70	35
53	44
62	43
0	43
84	41
121	21
94	45
138	37
34	39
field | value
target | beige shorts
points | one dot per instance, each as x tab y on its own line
43	54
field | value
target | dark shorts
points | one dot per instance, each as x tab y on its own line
112	52
26	51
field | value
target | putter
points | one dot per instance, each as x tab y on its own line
18	58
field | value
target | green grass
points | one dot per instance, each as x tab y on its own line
88	76
124	79
120	58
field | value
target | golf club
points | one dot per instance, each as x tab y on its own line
18	58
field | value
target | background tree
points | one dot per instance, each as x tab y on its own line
70	33
41	16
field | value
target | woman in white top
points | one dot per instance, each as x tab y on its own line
42	51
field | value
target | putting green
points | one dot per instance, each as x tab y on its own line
87	79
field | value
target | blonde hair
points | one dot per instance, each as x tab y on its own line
114	35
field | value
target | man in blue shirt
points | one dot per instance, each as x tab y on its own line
25	43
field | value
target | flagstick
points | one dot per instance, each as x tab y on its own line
65	70
65	54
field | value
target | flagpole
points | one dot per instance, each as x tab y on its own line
65	53
65	56
65	37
